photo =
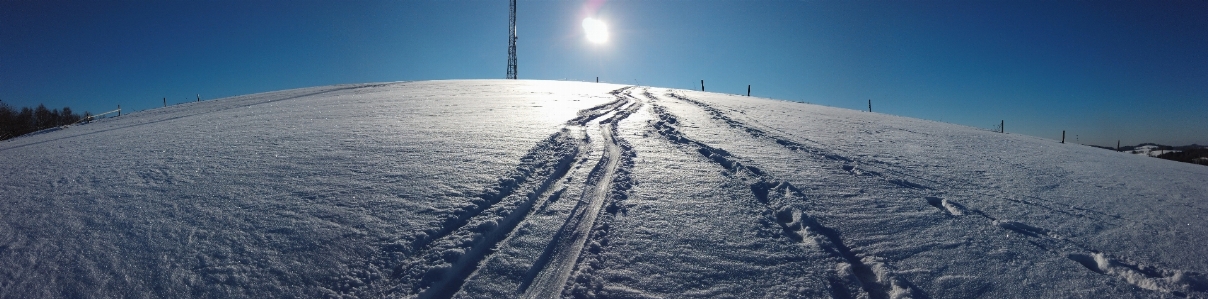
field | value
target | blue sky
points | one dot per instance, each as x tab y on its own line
1135	71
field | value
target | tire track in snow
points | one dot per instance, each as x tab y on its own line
793	145
608	181
469	235
947	206
856	276
1177	282
850	164
441	259
589	114
508	184
877	168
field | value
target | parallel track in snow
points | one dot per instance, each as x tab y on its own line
863	276
892	173
442	259
564	252
1177	282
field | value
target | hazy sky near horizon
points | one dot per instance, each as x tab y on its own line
1135	71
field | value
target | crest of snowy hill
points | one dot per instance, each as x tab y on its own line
542	189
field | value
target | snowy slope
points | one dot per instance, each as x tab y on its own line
1150	151
539	189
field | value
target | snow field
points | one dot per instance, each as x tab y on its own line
1020	202
687	230
542	189
311	192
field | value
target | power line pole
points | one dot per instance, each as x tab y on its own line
512	41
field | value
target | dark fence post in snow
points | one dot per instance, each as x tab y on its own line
597	79
869	105
1117	145
1001	128
165	102
1062	136
748	90
702	85
119	110
199	97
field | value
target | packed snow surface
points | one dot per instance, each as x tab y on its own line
541	189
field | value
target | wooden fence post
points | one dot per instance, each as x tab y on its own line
1062	136
869	105
702	85
748	90
119	110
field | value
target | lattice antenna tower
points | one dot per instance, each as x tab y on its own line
512	41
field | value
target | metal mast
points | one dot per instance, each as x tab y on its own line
512	41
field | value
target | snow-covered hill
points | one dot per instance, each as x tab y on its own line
539	189
1150	150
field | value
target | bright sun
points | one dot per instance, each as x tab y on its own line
596	30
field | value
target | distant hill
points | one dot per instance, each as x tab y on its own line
1149	149
1195	153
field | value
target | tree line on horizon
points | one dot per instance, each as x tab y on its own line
16	122
1191	155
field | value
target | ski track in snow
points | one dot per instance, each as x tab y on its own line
444	259
564	253
541	227
1176	282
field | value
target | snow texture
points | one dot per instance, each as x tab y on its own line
543	189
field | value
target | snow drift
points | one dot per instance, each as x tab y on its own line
539	189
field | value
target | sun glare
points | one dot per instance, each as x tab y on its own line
596	30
